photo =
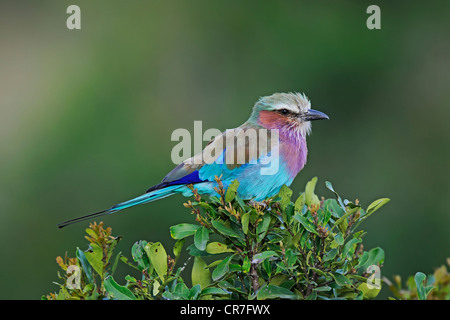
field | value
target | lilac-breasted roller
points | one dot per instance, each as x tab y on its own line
230	157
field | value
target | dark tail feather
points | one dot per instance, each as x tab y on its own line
83	218
145	198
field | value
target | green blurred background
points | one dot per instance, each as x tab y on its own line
86	115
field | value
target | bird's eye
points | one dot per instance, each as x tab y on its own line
284	111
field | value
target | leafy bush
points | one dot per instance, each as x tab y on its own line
435	286
277	249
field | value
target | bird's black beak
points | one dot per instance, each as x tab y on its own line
314	115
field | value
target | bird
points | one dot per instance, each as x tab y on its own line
286	116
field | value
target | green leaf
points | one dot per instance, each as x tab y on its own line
194	292
373	257
156	286
116	262
340	279
112	243
213	264
217	247
241	202
183	230
213	291
222	268
422	292
376	256
200	274
244	221
253	215
369	293
288	213
158	258
320	272
219	226
246	264
271	291
330	187
130	279
263	226
363	260
279	279
85	265
322	289
343	225
291	258
201	238
193	251
300	202
258	258
235	267
304	236
342	222
181	292
310	197
349	248
339	239
95	258
139	255
206	206
330	255
336	210
178	246
326	216
231	191
91	232
305	223
267	267
116	291
312	296
285	194
377	204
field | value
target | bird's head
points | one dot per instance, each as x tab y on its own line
289	112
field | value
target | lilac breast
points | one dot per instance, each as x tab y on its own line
293	152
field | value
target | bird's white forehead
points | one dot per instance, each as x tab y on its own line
295	102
